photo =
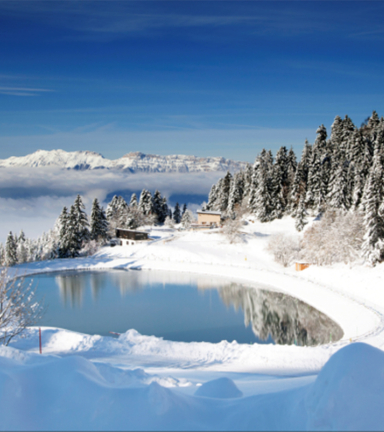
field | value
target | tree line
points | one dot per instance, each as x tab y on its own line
75	233
344	172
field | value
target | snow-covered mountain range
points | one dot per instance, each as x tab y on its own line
131	162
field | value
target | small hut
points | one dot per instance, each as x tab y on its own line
208	218
128	237
300	266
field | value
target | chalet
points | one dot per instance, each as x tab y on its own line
126	237
208	218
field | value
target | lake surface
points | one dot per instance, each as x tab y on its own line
178	307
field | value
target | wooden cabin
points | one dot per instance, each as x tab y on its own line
128	237
208	218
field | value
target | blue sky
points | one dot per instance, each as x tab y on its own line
206	78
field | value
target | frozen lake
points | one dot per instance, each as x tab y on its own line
178	307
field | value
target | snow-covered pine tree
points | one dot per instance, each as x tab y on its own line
348	130
262	205
236	193
373	245
338	196
22	253
157	205
10	251
279	183
177	214
99	223
298	189
247	179
74	237
112	208
362	169
337	133
146	203
187	219
251	204
133	202
81	220
212	198
291	172
314	198
63	235
301	215
165	210
223	192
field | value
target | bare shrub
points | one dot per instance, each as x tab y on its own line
337	237
18	310
90	248
285	248
231	230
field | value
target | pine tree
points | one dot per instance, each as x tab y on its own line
165	210
187	219
301	213
157	205
338	197
146	203
184	210
279	184
63	234
177	214
10	251
298	189
81	220
223	192
22	253
99	223
112	208
314	197
262	205
73	237
133	202
373	245
212	198
237	191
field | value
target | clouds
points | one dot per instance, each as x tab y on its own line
105	20
22	91
32	199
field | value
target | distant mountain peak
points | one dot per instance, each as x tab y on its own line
131	162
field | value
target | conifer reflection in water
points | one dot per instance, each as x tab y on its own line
286	319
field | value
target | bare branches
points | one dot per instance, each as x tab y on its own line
18	310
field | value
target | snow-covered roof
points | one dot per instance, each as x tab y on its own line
209	212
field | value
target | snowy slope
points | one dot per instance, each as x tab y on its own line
131	162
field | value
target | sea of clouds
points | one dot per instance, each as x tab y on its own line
32	198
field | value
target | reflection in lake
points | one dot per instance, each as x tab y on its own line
181	307
286	319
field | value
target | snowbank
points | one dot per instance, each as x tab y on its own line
73	393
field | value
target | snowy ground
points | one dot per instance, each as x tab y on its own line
142	382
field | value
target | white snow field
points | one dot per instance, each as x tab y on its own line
137	382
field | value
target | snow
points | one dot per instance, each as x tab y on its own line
131	162
142	382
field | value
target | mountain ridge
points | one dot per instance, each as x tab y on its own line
132	162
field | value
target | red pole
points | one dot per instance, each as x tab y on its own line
40	340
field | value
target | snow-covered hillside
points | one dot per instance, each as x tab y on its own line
131	162
140	382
